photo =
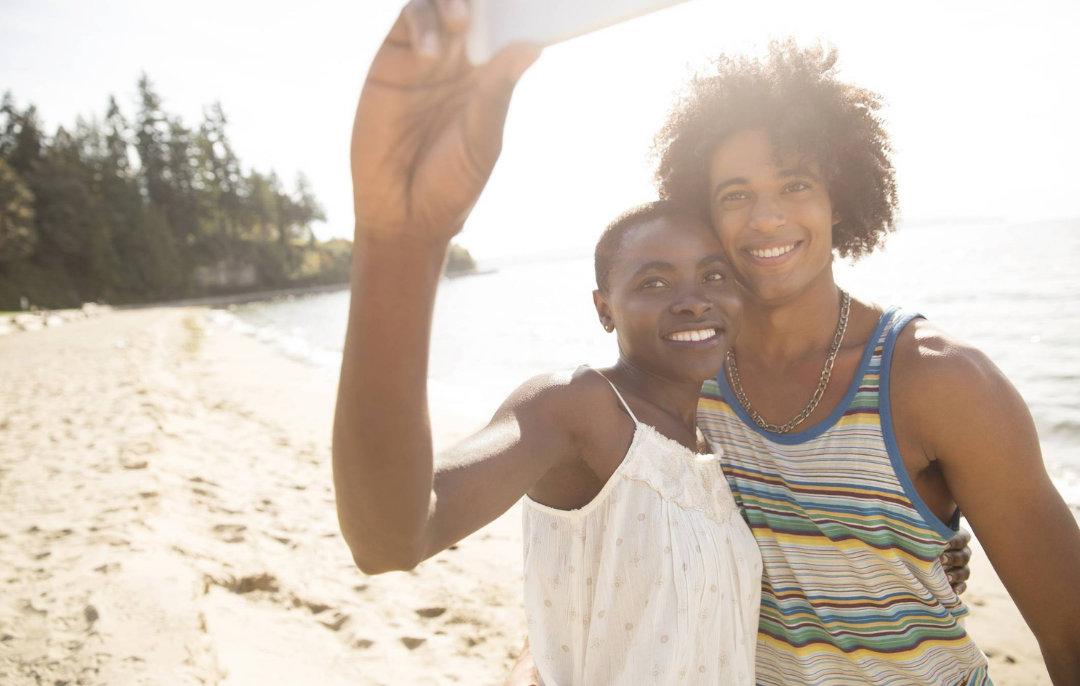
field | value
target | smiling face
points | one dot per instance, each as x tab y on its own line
672	299
773	216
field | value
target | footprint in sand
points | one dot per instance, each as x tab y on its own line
413	643
430	612
283	540
246	584
336	623
230	533
315	607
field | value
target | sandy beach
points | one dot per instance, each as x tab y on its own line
169	519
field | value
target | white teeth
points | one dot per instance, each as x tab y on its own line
773	252
687	336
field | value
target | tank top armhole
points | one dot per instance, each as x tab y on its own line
609	485
945	531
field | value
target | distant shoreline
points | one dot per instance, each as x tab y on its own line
470	272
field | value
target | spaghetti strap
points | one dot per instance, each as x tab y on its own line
617	394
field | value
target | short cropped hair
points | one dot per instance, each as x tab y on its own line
610	243
796	96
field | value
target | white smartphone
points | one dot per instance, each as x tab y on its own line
494	24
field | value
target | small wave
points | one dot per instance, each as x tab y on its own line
292	344
1067	482
1065	429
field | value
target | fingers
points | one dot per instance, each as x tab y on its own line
435	26
960	540
423	25
958	574
956	558
454	15
426	44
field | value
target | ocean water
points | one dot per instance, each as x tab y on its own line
1013	290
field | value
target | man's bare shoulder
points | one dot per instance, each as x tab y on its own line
948	385
929	357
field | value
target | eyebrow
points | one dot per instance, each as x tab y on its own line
797	171
783	174
659	265
738	180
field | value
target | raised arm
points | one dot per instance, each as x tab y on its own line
979	429
427	134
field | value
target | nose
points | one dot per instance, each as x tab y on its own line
767	215
690	303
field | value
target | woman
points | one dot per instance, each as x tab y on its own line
636	559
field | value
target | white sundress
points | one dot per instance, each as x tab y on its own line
656	581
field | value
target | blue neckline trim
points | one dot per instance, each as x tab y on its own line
813	432
942	529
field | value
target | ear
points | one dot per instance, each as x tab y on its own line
603	310
836	218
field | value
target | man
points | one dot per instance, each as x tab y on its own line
857	470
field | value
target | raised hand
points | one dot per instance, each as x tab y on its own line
429	125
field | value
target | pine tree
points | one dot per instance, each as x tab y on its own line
221	176
18	234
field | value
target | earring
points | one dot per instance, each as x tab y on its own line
609	328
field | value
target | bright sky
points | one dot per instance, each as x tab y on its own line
982	96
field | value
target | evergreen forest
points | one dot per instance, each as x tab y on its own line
147	209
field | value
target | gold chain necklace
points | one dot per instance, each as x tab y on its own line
823	383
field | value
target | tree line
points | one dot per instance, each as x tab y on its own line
147	209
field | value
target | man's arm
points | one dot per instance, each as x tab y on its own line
974	423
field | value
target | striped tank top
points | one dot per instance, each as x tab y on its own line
853	591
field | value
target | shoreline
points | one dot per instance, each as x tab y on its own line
239	298
261	296
172	521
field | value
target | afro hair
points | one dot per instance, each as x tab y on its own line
794	93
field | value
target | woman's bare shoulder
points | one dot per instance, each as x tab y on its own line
576	399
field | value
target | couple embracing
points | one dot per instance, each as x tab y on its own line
763	488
